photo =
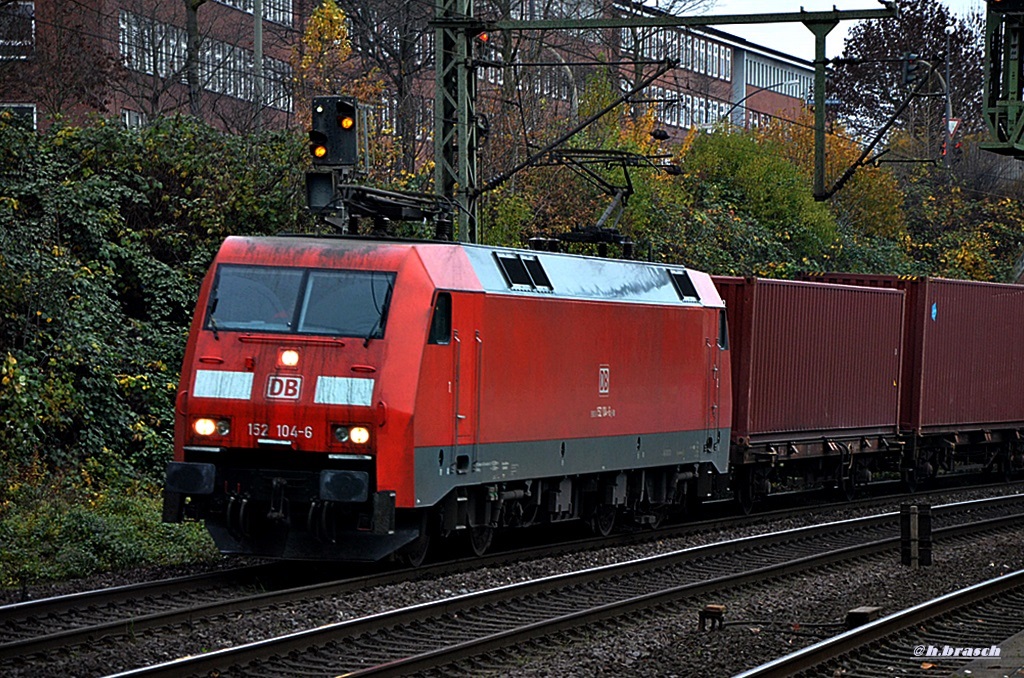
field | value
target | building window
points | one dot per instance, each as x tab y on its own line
17	30
132	119
156	48
25	112
276	11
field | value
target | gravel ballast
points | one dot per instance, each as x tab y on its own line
666	642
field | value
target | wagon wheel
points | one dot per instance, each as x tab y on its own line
480	539
844	485
1006	467
744	492
847	488
602	520
909	478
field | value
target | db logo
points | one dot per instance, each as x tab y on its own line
284	387
604	378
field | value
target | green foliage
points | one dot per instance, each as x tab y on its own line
755	176
72	524
105	235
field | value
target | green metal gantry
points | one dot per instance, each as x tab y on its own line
1003	108
455	174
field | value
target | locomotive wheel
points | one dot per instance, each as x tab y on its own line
657	518
413	555
602	520
480	538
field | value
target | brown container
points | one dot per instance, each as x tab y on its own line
964	344
812	361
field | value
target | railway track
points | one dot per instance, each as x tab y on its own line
436	634
59	623
30	630
923	640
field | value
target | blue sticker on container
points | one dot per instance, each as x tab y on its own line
935	310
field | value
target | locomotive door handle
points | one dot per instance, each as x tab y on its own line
457	367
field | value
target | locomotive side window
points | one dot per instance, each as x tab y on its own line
684	286
441	322
284	299
723	330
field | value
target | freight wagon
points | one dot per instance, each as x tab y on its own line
816	370
962	400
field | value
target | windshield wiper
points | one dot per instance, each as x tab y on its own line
382	316
213	321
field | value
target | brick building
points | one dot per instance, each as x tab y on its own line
126	59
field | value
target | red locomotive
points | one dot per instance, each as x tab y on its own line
349	399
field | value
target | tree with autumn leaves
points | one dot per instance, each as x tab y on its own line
743	203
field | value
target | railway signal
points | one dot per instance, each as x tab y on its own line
333	139
910	68
1006	5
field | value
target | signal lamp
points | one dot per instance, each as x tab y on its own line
346	121
319	151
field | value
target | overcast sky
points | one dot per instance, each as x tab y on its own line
794	38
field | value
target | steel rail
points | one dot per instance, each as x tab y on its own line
134	623
458	606
444	656
855	639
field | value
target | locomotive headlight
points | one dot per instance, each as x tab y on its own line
207	427
204	427
355	435
289	357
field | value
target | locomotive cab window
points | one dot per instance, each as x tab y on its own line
294	300
441	321
723	330
684	286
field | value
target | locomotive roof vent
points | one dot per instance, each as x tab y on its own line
684	286
523	272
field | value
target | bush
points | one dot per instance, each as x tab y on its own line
105	235
63	526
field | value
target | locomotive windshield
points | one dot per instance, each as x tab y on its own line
302	301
